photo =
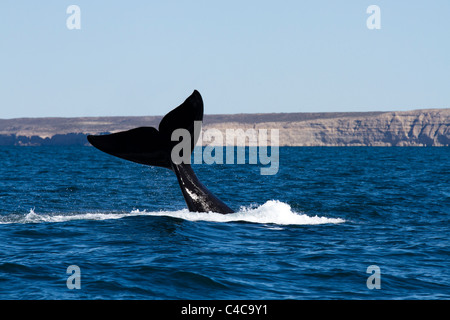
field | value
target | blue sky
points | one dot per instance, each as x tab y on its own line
146	57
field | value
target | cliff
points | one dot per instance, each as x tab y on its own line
409	128
428	127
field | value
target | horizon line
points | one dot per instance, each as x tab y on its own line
231	114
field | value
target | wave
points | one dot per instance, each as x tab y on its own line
271	212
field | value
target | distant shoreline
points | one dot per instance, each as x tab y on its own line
426	127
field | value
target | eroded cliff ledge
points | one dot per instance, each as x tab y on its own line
428	127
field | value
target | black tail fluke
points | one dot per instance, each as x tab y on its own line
183	117
142	145
149	146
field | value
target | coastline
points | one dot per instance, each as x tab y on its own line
425	127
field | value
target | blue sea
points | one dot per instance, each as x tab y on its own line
333	223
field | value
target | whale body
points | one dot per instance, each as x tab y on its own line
153	147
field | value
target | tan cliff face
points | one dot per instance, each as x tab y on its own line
409	128
429	127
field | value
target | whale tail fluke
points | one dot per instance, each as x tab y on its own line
149	146
142	145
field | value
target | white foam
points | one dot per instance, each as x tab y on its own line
271	212
33	217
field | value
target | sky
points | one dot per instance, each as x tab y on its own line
135	58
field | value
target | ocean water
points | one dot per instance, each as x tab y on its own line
315	230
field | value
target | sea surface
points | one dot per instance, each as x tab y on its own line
333	223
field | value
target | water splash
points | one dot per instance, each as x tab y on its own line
271	212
